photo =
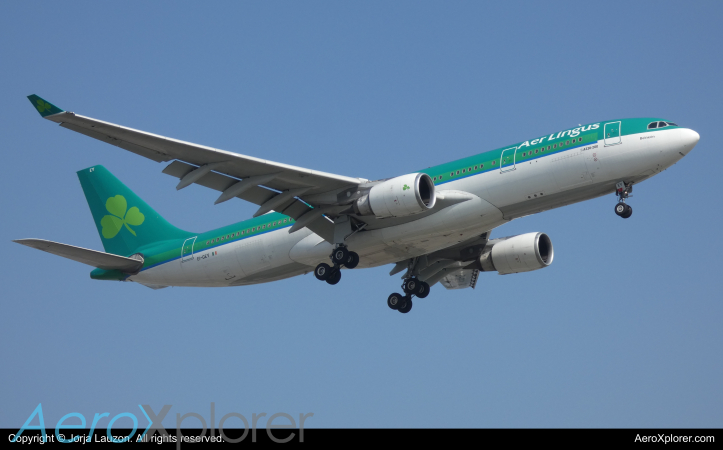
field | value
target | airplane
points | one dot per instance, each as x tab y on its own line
434	224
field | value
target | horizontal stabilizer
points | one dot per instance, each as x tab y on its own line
93	258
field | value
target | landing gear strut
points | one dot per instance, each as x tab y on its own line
341	256
622	191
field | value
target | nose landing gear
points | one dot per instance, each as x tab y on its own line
341	256
622	191
623	210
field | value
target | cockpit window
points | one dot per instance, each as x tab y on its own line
652	125
662	124
672	124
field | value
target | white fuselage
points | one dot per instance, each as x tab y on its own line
496	197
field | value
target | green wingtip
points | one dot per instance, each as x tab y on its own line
44	107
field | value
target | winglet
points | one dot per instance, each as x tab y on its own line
44	108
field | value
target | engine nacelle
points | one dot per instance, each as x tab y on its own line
523	253
398	197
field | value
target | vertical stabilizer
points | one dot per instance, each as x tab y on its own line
124	221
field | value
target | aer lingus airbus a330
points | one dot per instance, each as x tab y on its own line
434	224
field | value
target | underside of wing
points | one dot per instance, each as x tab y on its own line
160	148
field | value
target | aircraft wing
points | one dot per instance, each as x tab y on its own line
93	258
271	185
277	176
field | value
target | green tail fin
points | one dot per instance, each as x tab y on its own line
125	222
44	108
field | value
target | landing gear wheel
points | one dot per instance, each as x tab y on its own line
322	272
340	255
395	300
620	209
334	277
352	260
422	290
410	286
406	305
627	213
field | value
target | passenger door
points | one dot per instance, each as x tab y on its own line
612	133
187	249
507	160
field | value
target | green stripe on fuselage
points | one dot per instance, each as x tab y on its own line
165	251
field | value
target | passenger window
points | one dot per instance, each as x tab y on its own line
451	174
440	177
493	163
458	172
567	143
464	170
554	146
475	167
548	147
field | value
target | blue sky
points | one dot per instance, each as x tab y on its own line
624	329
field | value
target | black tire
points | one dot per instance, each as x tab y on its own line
423	290
334	277
620	209
395	300
352	261
406	306
628	212
410	286
340	255
322	271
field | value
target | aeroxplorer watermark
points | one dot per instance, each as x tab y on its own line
156	432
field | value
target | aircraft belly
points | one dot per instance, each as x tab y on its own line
447	227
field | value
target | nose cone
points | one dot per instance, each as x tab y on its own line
688	138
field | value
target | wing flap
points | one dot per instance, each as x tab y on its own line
102	260
219	182
257	195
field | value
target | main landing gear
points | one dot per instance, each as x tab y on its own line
622	191
412	287
341	256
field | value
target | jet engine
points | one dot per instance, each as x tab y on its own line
522	253
398	197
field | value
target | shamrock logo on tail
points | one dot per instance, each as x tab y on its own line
42	105
112	224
